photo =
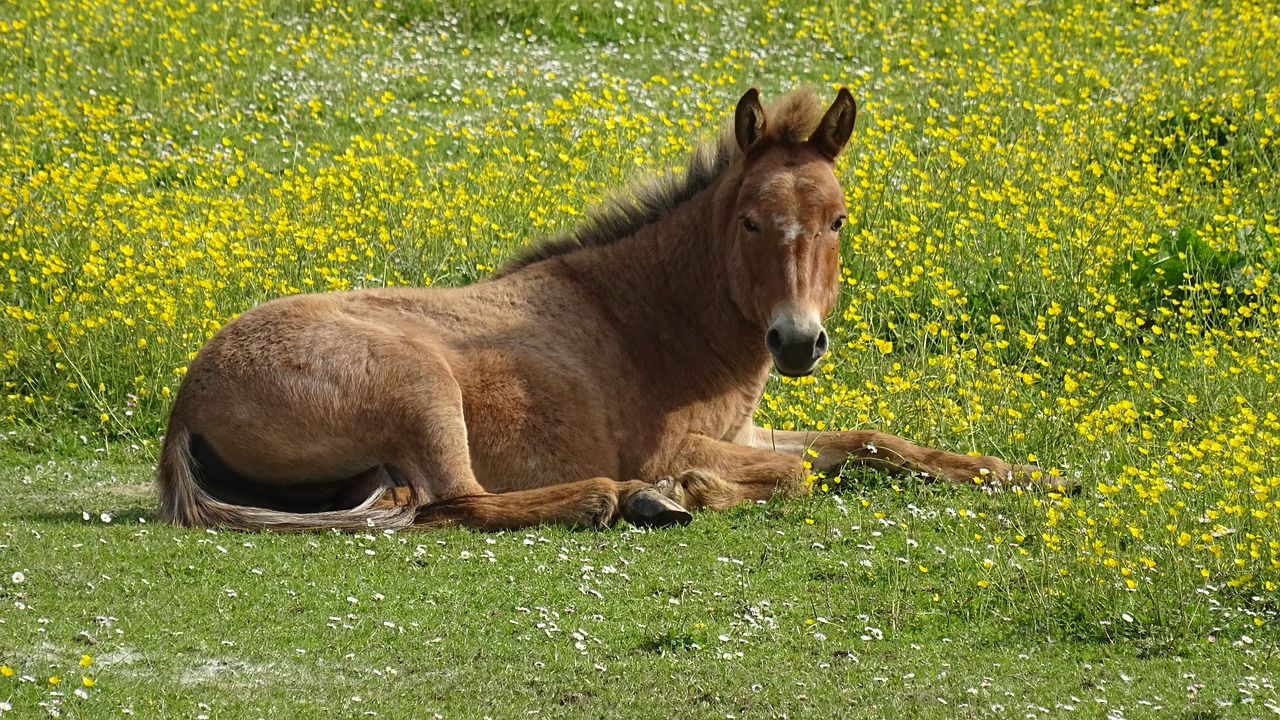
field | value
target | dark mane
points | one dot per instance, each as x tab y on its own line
791	119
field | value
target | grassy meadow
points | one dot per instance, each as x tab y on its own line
1063	247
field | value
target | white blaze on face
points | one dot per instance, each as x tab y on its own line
790	228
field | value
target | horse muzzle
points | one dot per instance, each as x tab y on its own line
796	343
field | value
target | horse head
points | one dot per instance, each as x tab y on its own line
784	224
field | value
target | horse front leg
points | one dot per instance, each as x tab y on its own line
702	472
829	451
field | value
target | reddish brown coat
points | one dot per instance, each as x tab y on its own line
613	372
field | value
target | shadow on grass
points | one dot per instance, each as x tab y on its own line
120	516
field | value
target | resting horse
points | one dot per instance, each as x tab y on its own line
613	372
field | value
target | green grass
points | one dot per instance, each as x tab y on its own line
755	612
1062	247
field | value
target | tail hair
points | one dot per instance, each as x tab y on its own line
184	502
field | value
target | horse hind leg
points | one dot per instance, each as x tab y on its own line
593	503
430	449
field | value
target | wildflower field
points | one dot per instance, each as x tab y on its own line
1063	247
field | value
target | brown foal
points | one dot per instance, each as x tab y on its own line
613	372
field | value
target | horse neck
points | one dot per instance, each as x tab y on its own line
666	289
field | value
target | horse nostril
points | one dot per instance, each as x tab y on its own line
773	341
820	345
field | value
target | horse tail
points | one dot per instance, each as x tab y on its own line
183	501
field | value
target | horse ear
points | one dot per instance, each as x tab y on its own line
836	126
748	120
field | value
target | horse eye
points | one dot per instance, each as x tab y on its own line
750	226
839	223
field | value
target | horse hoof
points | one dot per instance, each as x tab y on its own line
650	508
